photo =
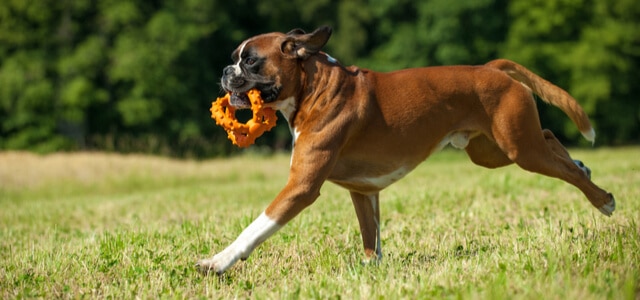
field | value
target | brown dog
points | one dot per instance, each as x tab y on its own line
365	130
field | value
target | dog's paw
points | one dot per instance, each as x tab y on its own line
372	259
370	262
207	266
217	264
608	208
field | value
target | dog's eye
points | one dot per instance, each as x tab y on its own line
249	61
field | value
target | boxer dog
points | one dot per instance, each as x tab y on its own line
364	130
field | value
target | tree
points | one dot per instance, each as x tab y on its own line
591	49
133	75
438	32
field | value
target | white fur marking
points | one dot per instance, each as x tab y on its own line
295	133
590	135
256	233
236	68
244	44
386	180
608	208
237	71
287	107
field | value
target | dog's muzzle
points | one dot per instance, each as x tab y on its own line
237	84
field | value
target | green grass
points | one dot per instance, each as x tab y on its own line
112	226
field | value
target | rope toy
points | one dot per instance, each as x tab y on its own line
243	134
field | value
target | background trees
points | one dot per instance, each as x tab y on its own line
123	75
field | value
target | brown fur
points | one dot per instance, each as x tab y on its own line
363	130
356	123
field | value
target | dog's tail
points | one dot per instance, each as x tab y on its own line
550	93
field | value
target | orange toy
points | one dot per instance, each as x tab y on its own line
243	135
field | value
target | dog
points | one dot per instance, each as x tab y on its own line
364	130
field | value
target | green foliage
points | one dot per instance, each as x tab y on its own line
118	74
592	49
436	32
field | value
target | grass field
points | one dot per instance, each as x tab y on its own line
114	226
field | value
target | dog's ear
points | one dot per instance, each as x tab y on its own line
296	31
302	45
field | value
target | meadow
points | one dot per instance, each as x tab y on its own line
96	225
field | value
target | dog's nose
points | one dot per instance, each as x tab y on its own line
228	70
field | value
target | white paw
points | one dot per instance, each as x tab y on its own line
608	208
258	231
217	264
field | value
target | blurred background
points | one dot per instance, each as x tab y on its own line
140	75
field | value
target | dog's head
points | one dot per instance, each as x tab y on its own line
270	63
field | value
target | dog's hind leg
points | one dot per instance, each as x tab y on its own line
485	152
368	212
535	150
541	159
560	151
556	147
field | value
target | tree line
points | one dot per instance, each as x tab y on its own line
134	75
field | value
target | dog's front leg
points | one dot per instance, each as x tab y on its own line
256	233
288	204
307	175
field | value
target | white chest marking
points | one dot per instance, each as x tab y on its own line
295	134
288	108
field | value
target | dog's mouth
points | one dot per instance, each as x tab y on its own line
239	100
